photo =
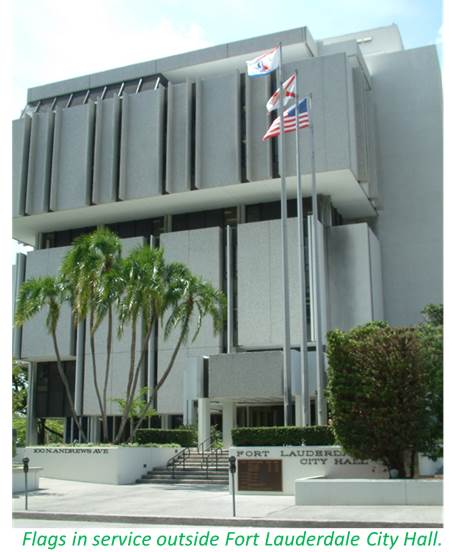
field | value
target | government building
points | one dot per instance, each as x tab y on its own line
169	152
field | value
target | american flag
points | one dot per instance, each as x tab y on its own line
289	120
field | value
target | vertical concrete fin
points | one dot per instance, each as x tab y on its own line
123	147
55	160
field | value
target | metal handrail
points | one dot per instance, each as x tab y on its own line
182	454
201	447
216	452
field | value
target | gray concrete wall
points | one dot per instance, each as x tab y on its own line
39	163
178	138
141	148
354	276
329	80
259	301
201	251
217	133
106	151
72	158
120	359
409	147
246	375
20	147
36	342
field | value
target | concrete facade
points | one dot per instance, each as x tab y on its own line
140	149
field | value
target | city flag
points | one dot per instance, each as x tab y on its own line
289	120
264	64
289	87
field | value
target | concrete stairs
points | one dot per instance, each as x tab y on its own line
209	468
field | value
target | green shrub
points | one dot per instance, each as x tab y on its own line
184	437
282	436
383	391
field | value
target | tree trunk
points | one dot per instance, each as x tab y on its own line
106	378
161	381
124	419
66	385
94	364
133	381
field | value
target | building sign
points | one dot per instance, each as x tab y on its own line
259	475
298	462
75	450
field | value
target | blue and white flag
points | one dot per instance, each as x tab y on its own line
264	64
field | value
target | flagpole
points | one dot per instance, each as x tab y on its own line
287	400
320	361
305	414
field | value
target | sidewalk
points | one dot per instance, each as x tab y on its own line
203	505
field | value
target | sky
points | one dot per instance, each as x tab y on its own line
54	40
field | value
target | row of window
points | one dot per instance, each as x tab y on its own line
229	216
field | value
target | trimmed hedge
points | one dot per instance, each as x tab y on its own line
184	437
280	436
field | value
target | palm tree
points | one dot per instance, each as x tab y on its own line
34	295
91	275
191	301
149	286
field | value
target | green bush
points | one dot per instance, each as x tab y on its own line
184	437
281	436
383	391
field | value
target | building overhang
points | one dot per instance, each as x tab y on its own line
347	196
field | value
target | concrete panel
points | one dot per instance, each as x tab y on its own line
141	149
409	147
72	159
254	283
178	138
20	147
171	395
106	151
260	300
17	279
376	276
358	87
326	78
323	280
258	153
36	342
39	165
191	248
218	139
237	375
374	191
349	281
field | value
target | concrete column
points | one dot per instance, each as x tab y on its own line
31	433
228	422
164	421
94	429
298	410
204	420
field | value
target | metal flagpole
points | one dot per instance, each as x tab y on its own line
320	361
287	401
305	413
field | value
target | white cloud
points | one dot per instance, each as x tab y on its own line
53	40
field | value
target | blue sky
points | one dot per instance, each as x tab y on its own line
52	41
